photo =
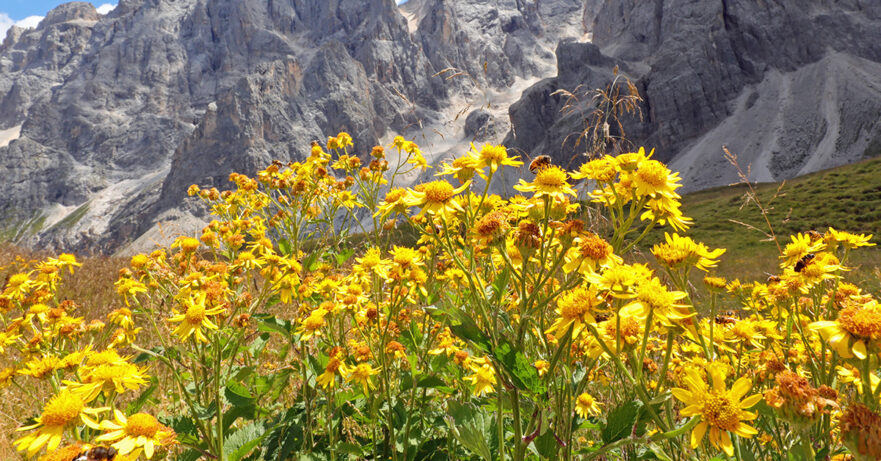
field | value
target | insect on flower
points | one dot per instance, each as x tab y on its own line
540	162
726	318
803	262
97	454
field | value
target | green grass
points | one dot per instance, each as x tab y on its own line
846	198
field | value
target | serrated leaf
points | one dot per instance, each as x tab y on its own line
237	394
524	376
621	420
469	427
241	442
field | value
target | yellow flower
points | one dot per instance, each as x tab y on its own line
800	246
360	374
483	378
108	378
654	179
128	288
194	318
721	411
575	308
62	410
542	366
138	433
328	378
678	252
586	405
847	240
602	170
436	197
551	181
41	367
462	168
493	157
653	296
856	332
311	324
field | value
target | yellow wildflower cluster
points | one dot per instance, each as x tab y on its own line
456	321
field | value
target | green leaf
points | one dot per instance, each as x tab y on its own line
146	396
524	376
546	444
285	247
464	327
469	427
351	449
269	323
343	256
241	442
237	394
621	421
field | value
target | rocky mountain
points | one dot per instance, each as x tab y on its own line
791	87
105	120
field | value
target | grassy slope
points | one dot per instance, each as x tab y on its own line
846	198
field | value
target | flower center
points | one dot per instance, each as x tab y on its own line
62	409
491	154
551	177
595	248
719	412
195	314
438	191
652	173
862	322
142	424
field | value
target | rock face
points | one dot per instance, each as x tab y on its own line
106	120
790	87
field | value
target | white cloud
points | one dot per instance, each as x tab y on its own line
106	8
6	22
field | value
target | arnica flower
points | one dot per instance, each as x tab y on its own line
437	198
311	325
360	374
551	181
62	410
138	433
493	157
654	297
586	405
575	309
602	170
590	251
41	367
847	240
721	411
654	179
109	378
542	367
800	246
677	252
328	378
491	226
856	332
194	318
128	288
861	430
483	377
462	168
796	400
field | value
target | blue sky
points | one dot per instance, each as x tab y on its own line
28	13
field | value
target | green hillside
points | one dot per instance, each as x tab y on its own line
846	198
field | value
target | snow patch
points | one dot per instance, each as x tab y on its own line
9	135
